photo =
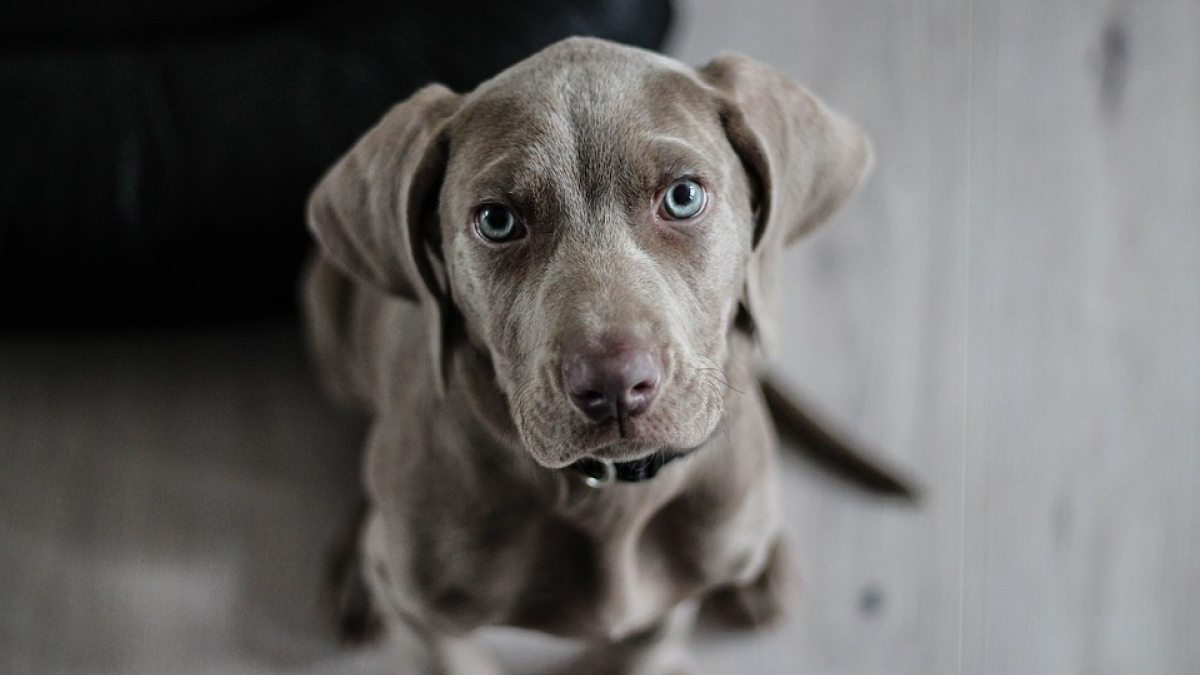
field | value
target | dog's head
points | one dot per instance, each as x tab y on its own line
600	219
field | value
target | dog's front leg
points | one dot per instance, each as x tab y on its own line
661	650
758	603
424	649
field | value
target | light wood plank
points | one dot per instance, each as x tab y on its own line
1084	378
167	502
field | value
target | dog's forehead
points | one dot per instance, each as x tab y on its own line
587	108
584	71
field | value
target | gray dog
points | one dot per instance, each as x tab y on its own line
547	294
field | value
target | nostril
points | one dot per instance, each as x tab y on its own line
637	398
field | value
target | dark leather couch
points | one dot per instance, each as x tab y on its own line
155	157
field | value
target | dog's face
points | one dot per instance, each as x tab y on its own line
594	212
598	216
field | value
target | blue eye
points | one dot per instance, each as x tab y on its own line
498	224
683	199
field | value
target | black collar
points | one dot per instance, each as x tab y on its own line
598	473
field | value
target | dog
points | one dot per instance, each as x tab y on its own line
549	295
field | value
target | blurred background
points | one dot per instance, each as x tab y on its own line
1009	311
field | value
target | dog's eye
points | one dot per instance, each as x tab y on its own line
498	224
683	199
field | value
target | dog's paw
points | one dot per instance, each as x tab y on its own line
760	603
355	616
661	649
742	607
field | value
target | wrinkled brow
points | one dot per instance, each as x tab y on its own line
671	157
511	178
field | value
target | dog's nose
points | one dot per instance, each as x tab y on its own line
612	384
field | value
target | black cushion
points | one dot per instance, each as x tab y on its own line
155	157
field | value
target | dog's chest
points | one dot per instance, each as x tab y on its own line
607	569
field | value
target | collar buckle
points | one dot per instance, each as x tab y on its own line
597	473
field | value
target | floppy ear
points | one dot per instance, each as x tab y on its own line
371	214
804	161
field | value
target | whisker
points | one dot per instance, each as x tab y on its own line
714	367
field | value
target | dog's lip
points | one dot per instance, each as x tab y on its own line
636	449
643	436
611	449
624	450
605	441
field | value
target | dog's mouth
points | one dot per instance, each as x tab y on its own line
599	471
635	447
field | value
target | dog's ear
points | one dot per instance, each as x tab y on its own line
804	161
367	211
373	212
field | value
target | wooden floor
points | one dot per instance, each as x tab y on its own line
1010	310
